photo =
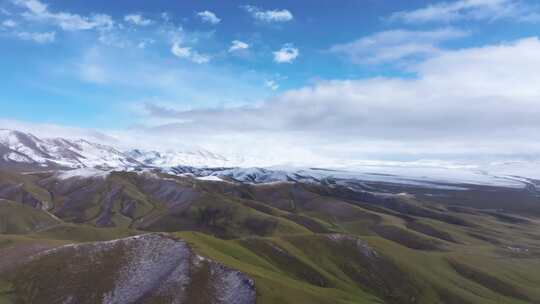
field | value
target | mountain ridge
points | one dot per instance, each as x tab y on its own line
26	152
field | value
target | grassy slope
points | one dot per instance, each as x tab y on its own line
434	279
16	218
274	285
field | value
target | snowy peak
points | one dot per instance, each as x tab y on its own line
19	149
24	149
22	146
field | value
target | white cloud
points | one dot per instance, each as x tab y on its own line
394	45
188	53
113	38
178	51
199	58
137	19
209	17
271	84
9	23
46	37
181	45
269	15
143	44
287	54
237	45
34	6
477	101
38	11
471	9
165	16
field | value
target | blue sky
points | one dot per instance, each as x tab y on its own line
245	74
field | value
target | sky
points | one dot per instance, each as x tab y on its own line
290	81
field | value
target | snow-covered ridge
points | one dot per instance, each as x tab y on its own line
425	177
25	148
83	173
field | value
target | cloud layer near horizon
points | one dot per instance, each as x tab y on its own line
478	100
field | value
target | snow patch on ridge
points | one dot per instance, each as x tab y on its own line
210	178
83	173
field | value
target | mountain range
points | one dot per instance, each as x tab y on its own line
24	151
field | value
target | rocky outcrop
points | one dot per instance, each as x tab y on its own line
150	268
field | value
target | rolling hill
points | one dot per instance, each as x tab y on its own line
334	241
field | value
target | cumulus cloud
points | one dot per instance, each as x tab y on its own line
9	23
478	100
237	45
114	39
472	10
188	53
46	37
137	19
165	16
276	15
271	84
287	54
145	42
393	45
178	51
209	17
38	11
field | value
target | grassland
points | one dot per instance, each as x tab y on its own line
300	243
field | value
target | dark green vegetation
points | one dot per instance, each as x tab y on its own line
300	243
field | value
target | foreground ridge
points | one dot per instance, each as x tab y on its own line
144	269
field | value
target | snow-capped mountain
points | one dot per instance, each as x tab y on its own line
19	149
25	151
